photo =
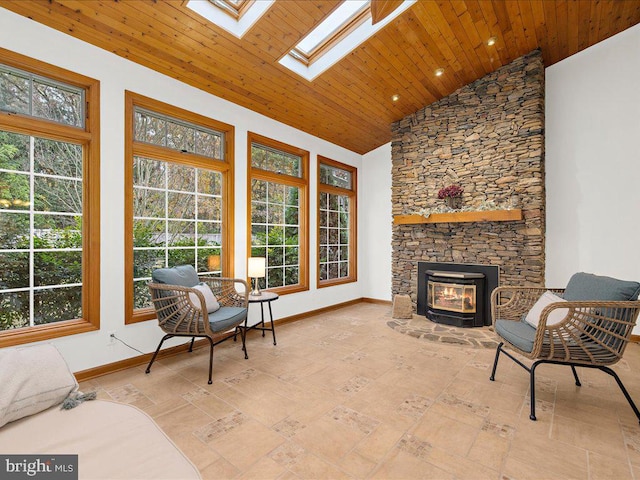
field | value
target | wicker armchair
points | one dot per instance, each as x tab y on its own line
592	334
180	315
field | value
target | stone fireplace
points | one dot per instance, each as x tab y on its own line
488	138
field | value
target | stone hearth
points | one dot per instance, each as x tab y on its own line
424	329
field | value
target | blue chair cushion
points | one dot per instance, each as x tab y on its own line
182	275
589	287
226	317
519	334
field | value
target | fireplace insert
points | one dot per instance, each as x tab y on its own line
455	298
483	306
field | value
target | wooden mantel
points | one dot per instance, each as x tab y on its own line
460	217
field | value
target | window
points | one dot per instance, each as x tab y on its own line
179	208
278	225
49	201
336	222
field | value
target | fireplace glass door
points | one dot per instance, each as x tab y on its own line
453	297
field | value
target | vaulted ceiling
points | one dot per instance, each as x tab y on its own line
349	104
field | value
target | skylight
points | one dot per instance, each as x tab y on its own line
235	8
344	29
235	16
333	24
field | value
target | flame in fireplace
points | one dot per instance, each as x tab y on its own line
451	293
453	297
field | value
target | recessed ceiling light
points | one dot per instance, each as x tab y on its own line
492	41
395	97
438	72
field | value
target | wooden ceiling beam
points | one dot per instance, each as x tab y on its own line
381	9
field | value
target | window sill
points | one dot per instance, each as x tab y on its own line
49	331
141	315
288	289
336	281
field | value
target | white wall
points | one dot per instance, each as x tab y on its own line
116	75
375	218
593	161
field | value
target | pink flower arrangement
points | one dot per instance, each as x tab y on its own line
450	191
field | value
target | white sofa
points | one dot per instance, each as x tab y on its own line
112	440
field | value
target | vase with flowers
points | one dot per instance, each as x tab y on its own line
452	195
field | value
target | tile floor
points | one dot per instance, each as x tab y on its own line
343	395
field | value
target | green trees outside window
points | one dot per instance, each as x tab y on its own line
275	232
40	231
49	201
278	216
334	236
336	222
41	201
177	220
179	202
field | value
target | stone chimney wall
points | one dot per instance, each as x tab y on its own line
487	137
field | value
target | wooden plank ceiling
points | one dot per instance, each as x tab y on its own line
350	104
